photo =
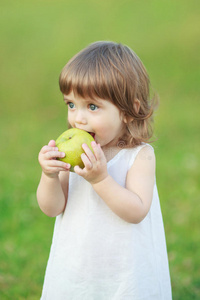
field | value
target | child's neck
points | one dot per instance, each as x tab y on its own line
110	152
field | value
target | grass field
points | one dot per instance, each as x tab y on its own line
37	39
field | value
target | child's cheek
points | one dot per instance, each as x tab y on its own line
70	121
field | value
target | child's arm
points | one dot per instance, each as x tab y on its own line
133	202
52	190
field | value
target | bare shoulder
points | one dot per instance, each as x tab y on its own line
143	168
146	156
141	176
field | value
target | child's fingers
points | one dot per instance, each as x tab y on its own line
87	162
54	167
47	149
52	143
54	154
98	152
79	171
58	164
52	170
89	153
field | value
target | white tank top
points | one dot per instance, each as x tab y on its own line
95	255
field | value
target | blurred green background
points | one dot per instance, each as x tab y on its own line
37	39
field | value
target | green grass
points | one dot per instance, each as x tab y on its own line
37	39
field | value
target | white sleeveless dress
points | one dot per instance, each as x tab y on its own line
95	255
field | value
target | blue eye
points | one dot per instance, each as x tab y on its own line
70	105
93	107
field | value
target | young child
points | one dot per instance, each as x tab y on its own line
109	241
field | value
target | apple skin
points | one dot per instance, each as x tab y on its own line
70	142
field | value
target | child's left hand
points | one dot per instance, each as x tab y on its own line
95	169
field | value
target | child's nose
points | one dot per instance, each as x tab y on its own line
80	117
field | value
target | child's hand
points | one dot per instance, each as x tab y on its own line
95	169
47	159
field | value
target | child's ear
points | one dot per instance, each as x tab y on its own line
136	105
127	119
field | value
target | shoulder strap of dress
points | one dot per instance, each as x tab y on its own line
135	152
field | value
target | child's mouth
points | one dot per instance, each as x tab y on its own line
92	134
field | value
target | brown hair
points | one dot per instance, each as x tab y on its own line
112	71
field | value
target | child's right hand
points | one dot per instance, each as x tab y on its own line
47	159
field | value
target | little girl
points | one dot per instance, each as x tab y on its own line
109	241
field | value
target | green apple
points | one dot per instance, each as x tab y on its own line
71	142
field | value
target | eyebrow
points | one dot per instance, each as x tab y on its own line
98	101
67	99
